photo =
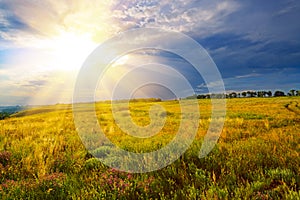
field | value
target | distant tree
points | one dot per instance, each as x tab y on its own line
218	96
265	93
238	95
249	93
279	94
3	115
194	96
244	94
260	93
201	96
269	93
298	92
293	92
232	95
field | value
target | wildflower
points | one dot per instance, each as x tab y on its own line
129	176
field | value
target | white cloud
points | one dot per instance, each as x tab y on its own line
37	87
177	15
248	75
103	19
48	19
42	29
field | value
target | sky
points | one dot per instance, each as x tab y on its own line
43	43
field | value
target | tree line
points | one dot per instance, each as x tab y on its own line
245	94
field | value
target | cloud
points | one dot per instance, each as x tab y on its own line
40	20
289	7
27	20
285	79
185	16
248	75
36	87
254	43
260	21
35	83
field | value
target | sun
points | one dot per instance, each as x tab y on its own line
69	50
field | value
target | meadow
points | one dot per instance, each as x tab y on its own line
257	155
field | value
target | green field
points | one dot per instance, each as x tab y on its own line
257	155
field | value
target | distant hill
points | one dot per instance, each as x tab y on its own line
11	109
6	111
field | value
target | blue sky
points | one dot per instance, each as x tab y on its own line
255	44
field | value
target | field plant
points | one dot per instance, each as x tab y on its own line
257	155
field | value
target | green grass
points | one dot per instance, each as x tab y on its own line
257	155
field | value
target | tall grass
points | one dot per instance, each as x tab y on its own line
257	156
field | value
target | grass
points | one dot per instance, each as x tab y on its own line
257	155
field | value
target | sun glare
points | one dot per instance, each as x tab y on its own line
69	50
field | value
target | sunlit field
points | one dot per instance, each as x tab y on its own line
257	155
